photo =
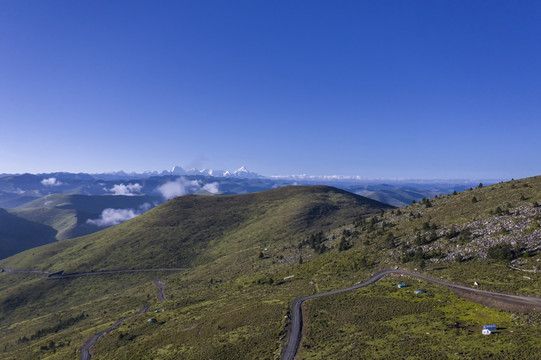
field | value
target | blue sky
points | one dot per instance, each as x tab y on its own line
380	89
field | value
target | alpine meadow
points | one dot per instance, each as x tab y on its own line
270	180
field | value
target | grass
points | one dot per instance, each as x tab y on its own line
233	304
383	321
194	230
229	296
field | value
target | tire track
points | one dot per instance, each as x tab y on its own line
161	289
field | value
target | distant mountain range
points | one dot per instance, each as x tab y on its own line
243	172
19	189
61	205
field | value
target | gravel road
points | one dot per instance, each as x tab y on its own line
85	350
295	332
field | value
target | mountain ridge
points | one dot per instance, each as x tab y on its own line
182	225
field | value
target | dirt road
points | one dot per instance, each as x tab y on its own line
85	350
161	289
63	275
494	299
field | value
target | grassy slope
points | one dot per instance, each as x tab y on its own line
408	326
384	322
235	302
232	230
425	231
192	230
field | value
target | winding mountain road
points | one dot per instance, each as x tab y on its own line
295	332
85	350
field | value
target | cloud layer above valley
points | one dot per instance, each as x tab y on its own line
183	186
126	190
110	217
52	181
168	190
211	187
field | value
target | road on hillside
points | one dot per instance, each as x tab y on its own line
105	272
62	275
161	289
85	350
12	271
295	332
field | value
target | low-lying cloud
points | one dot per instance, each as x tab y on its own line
178	187
126	190
212	187
110	217
52	181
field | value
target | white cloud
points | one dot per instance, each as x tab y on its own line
126	190
51	182
212	187
110	217
181	186
145	207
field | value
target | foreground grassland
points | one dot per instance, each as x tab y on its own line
234	301
384	322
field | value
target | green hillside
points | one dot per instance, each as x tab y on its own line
193	230
251	255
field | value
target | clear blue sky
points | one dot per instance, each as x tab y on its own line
386	89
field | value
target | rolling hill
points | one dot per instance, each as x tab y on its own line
192	230
251	255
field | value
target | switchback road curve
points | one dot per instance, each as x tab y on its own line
295	332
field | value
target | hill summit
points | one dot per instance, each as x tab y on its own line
192	230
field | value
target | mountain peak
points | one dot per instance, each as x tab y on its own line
178	170
241	169
241	172
245	173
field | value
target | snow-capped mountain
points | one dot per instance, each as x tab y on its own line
241	172
178	170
